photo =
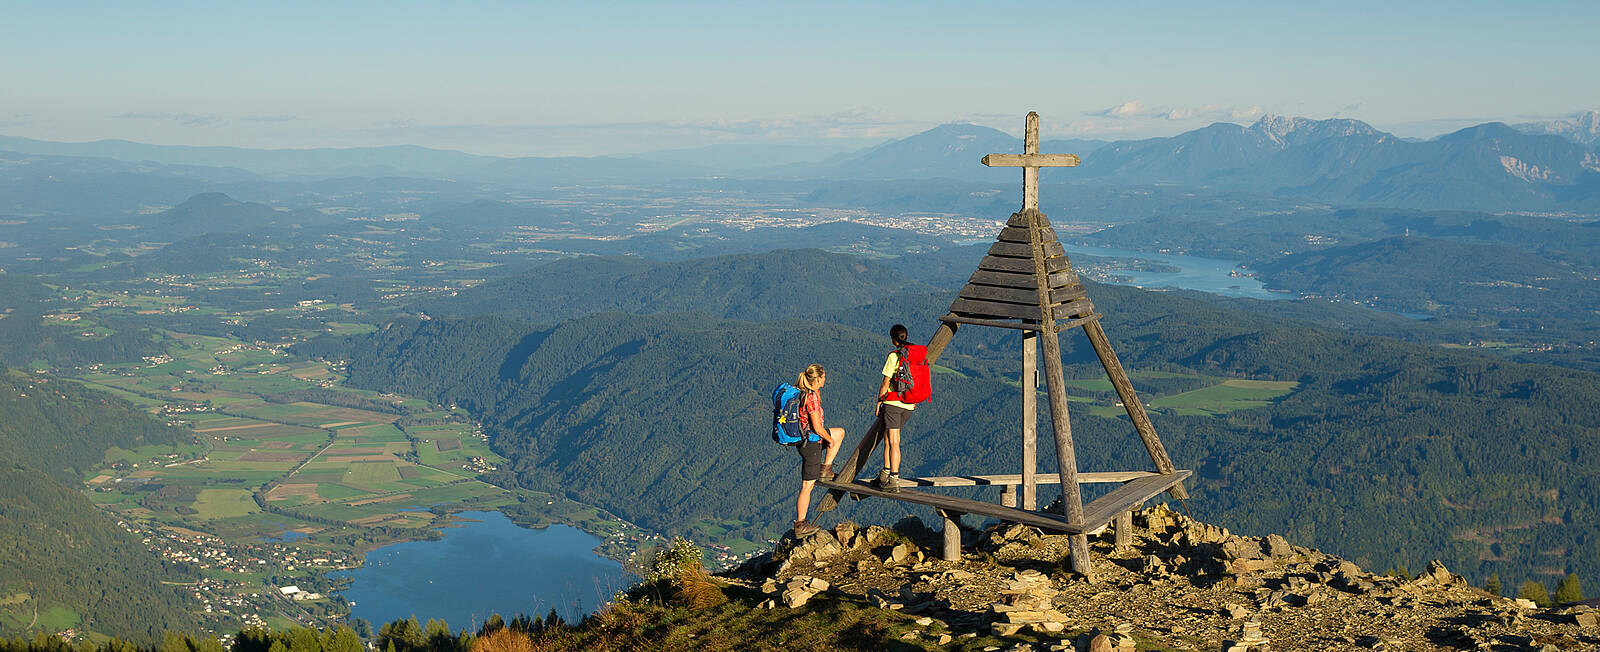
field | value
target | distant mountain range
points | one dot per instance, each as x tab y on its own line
1583	128
388	161
1490	166
1548	166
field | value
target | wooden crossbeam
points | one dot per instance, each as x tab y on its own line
963	505
1095	514
1031	160
1098	477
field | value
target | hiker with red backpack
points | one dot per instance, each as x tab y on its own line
906	383
798	421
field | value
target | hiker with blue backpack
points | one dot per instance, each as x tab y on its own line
797	420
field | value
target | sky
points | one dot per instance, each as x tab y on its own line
545	79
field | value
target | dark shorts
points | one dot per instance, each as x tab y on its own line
894	417
811	454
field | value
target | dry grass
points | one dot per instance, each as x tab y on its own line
695	589
503	640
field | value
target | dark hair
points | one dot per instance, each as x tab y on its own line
899	335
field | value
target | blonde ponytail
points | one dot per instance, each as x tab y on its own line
808	378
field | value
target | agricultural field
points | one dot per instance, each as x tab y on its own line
276	485
1186	394
1230	395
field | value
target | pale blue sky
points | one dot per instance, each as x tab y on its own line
544	79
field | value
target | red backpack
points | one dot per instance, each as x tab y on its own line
911	383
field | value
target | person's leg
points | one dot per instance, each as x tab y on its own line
810	469
891	450
833	448
803	503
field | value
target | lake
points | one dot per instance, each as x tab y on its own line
1196	273
486	565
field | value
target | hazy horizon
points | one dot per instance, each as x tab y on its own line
513	80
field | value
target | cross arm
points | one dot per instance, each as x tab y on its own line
1031	160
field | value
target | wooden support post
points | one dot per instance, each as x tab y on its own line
952	535
941	339
1030	420
1066	458
852	464
1124	530
1008	495
1055	385
1130	402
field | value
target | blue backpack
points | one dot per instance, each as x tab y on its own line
787	426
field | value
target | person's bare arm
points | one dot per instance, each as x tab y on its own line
819	428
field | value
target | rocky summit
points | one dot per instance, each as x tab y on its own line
1178	584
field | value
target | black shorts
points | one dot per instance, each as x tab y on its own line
811	459
893	417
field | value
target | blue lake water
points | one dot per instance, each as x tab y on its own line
487	566
1196	273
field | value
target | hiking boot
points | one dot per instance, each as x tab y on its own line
884	482
827	473
894	483
803	527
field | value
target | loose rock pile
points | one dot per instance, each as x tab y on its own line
1182	584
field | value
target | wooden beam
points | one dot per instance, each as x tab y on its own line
1018	295
1015	479
1044	520
1008	495
1129	496
1059	279
1017	250
1020	218
1096	515
1130	402
1020	234
988	308
1074	323
1123	530
995	323
1023	264
1055	385
952	535
1030	421
1032	160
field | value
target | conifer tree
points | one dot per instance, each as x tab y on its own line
1534	591
1568	590
1492	585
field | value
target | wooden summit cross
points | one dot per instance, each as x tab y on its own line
1027	283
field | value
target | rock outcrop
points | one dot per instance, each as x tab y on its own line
1182	584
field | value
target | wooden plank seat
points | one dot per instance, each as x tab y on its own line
960	505
1128	496
1096	514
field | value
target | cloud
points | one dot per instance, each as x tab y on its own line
1130	109
271	118
16	120
185	119
1137	110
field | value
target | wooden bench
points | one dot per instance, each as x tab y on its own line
1138	487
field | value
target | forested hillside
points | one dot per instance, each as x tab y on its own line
1386	452
1434	275
753	287
60	428
64	563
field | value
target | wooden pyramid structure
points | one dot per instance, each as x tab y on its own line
1027	283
